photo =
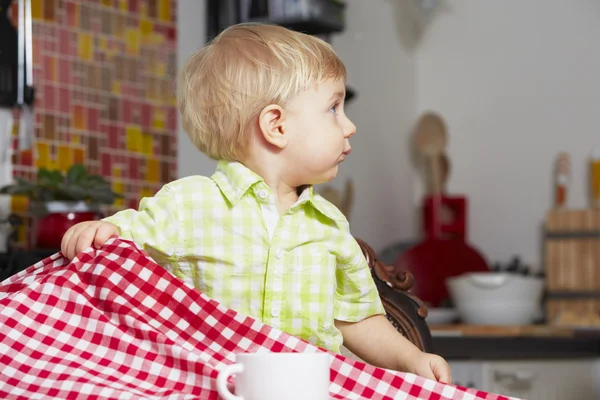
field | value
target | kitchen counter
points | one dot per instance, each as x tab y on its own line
456	342
17	260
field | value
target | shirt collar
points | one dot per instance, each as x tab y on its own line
235	179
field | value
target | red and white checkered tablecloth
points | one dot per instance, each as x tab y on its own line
112	324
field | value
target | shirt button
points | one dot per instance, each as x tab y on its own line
279	253
275	312
262	194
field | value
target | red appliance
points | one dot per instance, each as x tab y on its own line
49	229
445	217
444	251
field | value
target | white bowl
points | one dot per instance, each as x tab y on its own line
496	298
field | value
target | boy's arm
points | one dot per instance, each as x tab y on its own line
366	331
156	223
376	341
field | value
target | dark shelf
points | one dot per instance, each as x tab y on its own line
329	21
309	26
350	94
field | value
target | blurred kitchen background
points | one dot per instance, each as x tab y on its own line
476	164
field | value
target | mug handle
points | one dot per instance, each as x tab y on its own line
222	381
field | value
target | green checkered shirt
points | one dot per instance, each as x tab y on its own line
212	233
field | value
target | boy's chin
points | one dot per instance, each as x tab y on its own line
326	177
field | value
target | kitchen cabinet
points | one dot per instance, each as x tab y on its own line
534	362
559	379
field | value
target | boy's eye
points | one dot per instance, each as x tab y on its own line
333	109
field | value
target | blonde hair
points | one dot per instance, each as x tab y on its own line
226	84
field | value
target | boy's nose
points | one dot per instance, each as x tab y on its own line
350	129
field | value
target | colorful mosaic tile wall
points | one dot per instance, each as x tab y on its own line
104	78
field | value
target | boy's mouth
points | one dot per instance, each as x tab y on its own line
345	154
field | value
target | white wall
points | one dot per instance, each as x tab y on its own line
517	81
382	71
191	36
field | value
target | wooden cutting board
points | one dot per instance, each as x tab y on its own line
500	330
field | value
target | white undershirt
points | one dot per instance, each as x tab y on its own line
270	212
271	216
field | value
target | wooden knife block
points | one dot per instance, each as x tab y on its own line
572	263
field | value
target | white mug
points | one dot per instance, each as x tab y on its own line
276	376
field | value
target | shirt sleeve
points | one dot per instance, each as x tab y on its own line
154	226
357	296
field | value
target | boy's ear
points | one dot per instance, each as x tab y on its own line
271	121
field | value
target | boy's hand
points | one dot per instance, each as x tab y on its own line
432	367
84	234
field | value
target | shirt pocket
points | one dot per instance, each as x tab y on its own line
315	276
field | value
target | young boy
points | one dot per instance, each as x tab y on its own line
268	103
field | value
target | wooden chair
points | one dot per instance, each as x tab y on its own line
406	312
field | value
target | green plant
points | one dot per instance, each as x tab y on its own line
75	185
